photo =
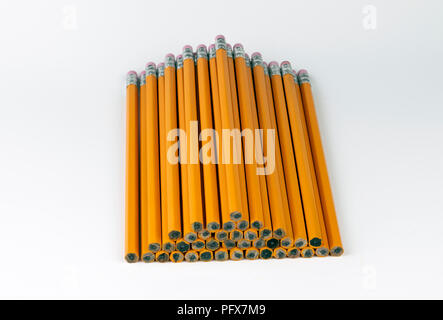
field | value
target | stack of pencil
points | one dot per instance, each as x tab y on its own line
224	160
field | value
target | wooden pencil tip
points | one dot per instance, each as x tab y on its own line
236	254
279	253
307	253
206	255
272	243
266	253
243	225
293	253
221	255
322	252
148	257
336	251
315	242
191	256
259	243
131	258
252	254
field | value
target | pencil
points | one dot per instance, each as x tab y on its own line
172	168
301	157
242	224
228	244
232	178
272	243
266	253
236	235
244	244
289	164
307	252
204	234
236	254
198	245
212	244
194	182
212	212
162	256
143	166
293	252
266	231
259	243
132	246
189	235
323	249
205	255
221	254
246	104
250	234
176	256
166	243
221	235
191	256
288	239
280	253
272	178
228	225
149	163
182	246
252	253
324	186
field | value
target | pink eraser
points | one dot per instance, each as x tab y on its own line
150	64
238	45
220	36
142	73
211	46
161	64
187	47
179	56
302	71
272	63
201	46
170	55
284	62
247	55
131	72
229	46
265	64
256	54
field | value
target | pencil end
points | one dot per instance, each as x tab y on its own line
131	257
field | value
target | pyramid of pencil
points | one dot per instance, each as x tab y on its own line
224	161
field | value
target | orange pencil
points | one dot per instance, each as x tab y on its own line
149	165
243	224
266	231
272	178
166	243
323	250
172	168
246	115
132	246
162	256
324	186
289	164
228	225
189	235
288	239
212	211
194	182
232	177
301	157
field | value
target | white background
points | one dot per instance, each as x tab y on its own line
379	99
